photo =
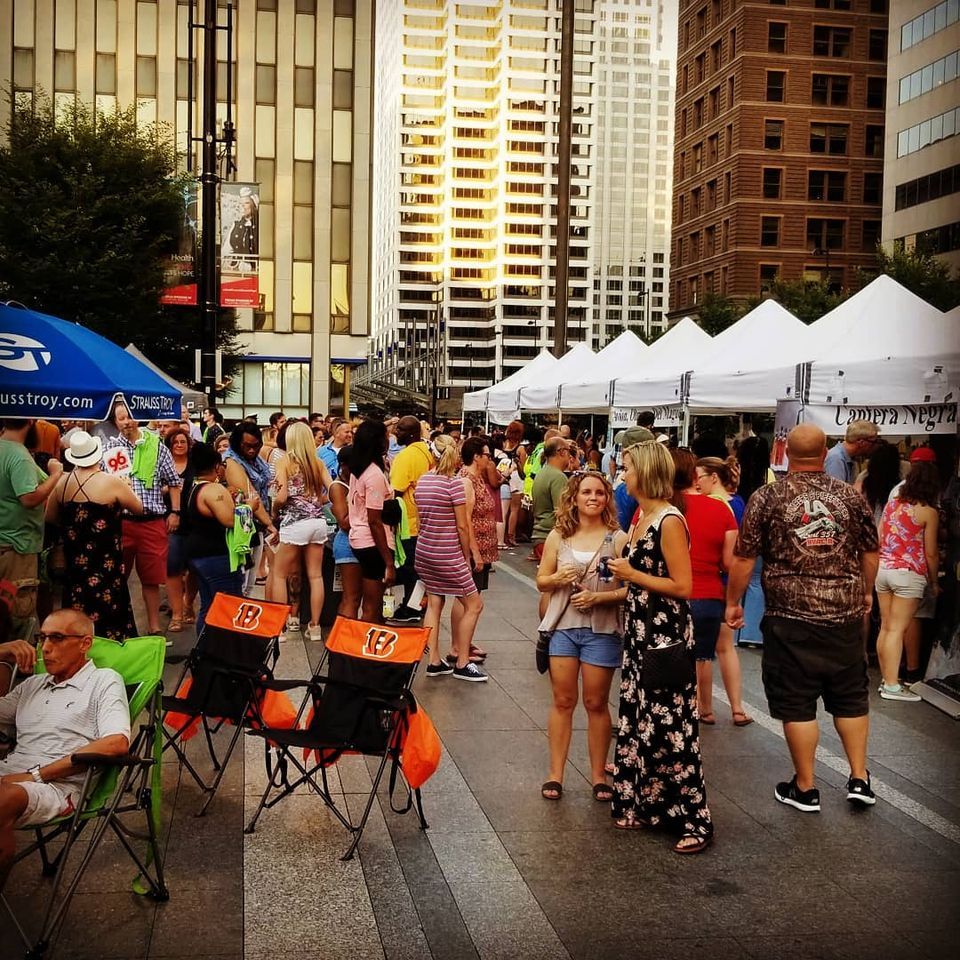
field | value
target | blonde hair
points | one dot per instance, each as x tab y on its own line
302	450
447	454
568	516
654	468
861	430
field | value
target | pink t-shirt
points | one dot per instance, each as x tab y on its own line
367	493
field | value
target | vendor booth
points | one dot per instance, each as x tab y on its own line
500	402
591	391
544	392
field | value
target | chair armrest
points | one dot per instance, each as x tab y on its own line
109	760
176	658
282	685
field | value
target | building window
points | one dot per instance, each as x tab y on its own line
829	138
768	275
772	183
776	86
873	188
824	234
931	76
831	41
776	38
940	183
832	4
876	93
870	236
928	23
879	6
874	141
769	231
830	90
773	134
929	131
939	239
827	185
877	46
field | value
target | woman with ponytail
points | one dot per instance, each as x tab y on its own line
447	553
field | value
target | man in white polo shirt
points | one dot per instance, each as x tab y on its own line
73	707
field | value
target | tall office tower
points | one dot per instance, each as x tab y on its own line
921	173
467	103
636	46
779	144
302	108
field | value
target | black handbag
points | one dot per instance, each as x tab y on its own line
668	667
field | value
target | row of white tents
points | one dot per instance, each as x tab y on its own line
884	345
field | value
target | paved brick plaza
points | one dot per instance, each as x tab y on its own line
502	874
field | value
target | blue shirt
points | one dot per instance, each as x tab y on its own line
840	464
625	505
328	455
737	506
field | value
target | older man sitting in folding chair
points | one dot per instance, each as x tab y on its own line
73	706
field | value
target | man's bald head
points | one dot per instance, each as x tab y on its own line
407	430
806	447
550	433
68	620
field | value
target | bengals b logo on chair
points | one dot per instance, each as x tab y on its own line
247	616
379	643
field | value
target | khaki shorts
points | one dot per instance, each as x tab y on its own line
901	583
21	570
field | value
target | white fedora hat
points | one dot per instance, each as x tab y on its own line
84	450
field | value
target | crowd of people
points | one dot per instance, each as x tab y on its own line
652	557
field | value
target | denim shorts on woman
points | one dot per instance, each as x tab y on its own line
342	551
707	616
596	649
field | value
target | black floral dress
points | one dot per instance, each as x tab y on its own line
95	584
658	777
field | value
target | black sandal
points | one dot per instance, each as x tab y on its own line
602	792
554	786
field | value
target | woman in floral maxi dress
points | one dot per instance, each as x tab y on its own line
658	777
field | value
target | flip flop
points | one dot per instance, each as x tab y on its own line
261	581
701	844
743	721
602	792
709	719
635	824
608	768
175	626
552	787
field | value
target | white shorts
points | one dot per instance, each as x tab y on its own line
901	583
45	801
301	532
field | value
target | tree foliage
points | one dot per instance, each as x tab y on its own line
89	209
924	275
808	300
717	312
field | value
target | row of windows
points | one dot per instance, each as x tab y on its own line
940	183
828	138
928	23
929	77
938	240
928	132
828	89
823	186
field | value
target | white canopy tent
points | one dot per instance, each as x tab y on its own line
543	393
501	398
885	345
667	359
742	372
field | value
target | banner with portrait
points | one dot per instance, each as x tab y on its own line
239	245
180	270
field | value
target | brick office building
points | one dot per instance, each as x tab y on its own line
779	144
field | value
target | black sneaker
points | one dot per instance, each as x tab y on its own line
860	791
441	669
406	615
470	672
806	800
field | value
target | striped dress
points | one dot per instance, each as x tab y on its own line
439	561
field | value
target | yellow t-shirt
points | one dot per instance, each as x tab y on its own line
408	466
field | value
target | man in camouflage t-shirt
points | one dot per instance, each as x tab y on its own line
819	548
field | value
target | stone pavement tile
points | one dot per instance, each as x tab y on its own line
457	706
105	926
401	933
840	946
529	690
298	895
934	944
511	808
509	654
505	759
208	919
913	899
506	921
472	857
452	810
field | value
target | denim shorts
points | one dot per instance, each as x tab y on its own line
342	552
707	616
596	649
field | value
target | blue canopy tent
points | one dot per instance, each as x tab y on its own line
56	370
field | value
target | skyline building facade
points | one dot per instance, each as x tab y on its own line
302	108
779	145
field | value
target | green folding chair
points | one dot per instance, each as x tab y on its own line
112	788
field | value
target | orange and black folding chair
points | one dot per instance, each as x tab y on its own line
223	680
360	701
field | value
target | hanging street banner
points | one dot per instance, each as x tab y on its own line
668	416
180	272
919	419
239	245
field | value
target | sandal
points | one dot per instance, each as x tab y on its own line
175	626
190	617
700	844
602	792
552	790
709	719
261	581
608	768
741	719
477	652
635	824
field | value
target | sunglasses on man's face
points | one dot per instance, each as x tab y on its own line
41	637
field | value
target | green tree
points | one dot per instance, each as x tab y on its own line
89	209
922	274
717	312
808	300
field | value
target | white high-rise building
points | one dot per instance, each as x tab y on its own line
636	44
466	107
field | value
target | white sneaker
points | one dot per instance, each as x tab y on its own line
314	632
293	625
899	692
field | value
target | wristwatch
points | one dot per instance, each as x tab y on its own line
35	773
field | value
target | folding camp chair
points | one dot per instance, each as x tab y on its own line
360	705
222	680
112	788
